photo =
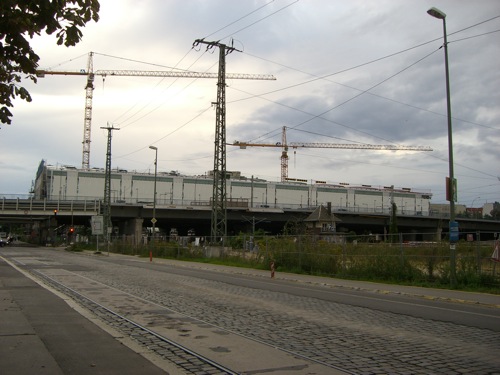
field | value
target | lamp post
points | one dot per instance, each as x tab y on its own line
451	187
153	220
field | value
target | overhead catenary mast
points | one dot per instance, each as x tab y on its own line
219	214
107	185
219	203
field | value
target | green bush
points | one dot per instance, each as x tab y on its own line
353	257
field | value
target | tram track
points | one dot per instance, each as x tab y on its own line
249	329
185	358
190	361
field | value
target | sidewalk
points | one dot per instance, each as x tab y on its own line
41	334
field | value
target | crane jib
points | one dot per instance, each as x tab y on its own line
157	73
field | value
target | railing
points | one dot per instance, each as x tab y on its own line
87	204
44	206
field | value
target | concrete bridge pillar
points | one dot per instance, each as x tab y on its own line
133	227
438	234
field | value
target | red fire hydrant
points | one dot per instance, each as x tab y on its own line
272	269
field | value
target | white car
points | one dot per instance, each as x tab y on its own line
5	241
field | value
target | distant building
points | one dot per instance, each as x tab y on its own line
71	183
487	208
322	222
444	209
475	212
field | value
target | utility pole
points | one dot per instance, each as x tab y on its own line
107	186
219	209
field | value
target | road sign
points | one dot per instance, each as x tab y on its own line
153	220
454	231
97	223
451	189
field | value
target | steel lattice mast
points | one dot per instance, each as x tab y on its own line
219	209
107	184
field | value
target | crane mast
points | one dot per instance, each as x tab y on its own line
295	145
87	121
89	89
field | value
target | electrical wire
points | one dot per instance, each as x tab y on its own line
316	116
158	106
167	135
142	62
324	77
261	19
474	36
239	19
154	109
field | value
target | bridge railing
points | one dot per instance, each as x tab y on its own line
32	205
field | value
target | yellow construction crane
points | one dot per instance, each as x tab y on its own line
89	88
284	148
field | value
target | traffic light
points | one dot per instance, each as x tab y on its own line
71	230
55	212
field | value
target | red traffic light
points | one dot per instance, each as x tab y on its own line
71	230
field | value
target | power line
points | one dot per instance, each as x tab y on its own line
474	36
325	77
344	102
239	19
262	19
474	25
157	107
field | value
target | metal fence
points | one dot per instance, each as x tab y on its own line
357	257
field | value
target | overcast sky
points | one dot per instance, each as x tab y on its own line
347	72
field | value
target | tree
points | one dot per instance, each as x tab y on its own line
23	19
495	213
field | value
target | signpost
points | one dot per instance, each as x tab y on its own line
97	223
454	232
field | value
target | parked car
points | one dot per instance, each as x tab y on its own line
5	241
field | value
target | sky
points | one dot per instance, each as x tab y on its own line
346	72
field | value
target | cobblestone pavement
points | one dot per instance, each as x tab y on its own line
359	340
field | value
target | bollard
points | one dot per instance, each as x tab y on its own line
272	269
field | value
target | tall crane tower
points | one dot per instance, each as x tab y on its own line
89	88
294	145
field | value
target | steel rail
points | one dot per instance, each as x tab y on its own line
173	343
198	356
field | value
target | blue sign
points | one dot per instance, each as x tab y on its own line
454	231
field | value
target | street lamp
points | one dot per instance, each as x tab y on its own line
475	199
474	212
451	188
153	220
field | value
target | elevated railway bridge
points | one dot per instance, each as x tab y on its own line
41	217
